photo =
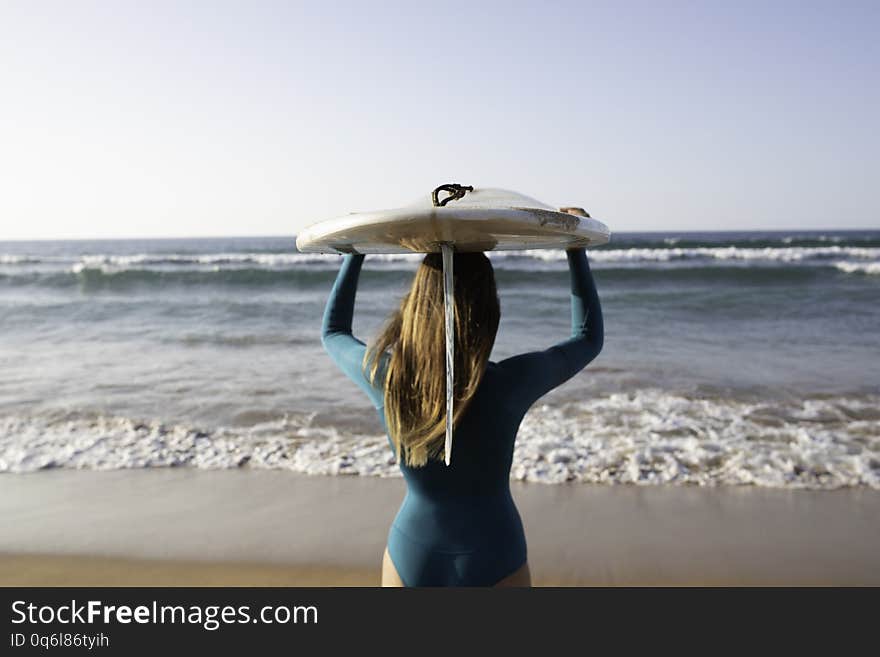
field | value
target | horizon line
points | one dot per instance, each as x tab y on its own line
294	235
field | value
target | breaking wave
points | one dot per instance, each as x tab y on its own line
107	270
643	438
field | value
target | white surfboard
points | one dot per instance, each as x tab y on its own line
455	218
484	219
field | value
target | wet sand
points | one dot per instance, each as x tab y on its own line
252	527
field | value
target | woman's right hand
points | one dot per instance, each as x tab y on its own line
580	212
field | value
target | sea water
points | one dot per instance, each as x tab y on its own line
730	358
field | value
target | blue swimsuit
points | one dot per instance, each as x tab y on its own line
458	525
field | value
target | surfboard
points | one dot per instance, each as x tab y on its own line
456	218
484	219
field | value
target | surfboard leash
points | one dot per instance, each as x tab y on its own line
456	192
449	330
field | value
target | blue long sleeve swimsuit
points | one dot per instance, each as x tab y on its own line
458	524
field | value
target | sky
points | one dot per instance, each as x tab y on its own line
152	119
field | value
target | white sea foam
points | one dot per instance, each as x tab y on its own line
12	259
652	437
797	254
858	267
140	260
109	443
110	264
646	437
845	258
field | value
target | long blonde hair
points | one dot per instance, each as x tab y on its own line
415	382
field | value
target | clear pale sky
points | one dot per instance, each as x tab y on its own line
126	119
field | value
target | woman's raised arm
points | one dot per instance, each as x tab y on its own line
536	373
345	349
338	314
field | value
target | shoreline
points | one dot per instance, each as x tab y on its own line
158	527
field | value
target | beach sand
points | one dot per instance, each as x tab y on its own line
158	527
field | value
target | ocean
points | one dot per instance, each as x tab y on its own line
730	358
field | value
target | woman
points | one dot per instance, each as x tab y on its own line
458	525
